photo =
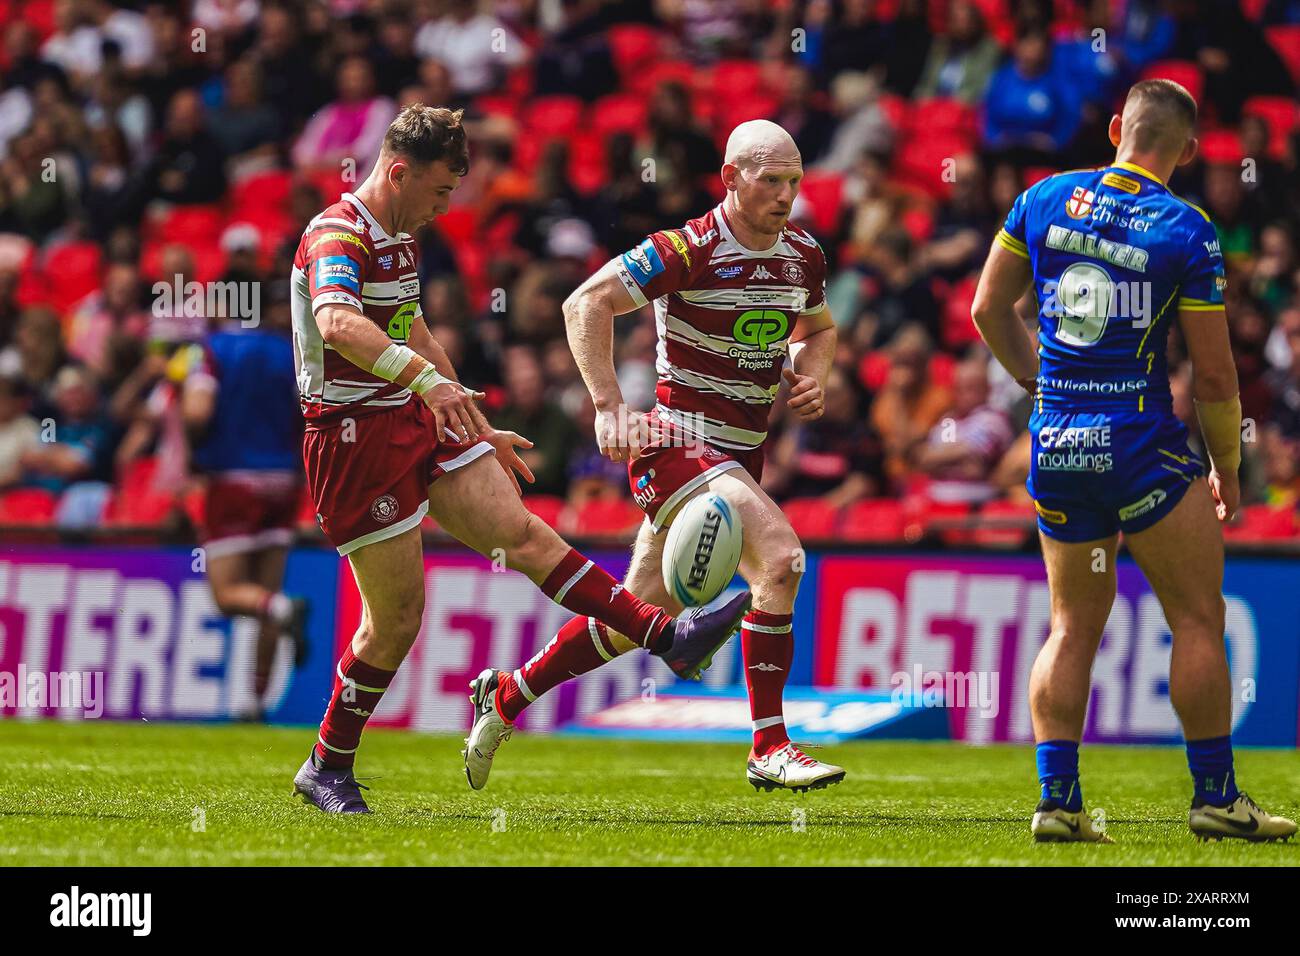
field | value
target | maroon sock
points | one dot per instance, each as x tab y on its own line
578	585
767	644
581	645
358	686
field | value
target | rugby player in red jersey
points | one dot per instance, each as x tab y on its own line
740	306
391	435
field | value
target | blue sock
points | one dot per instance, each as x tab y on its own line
1211	764
1058	771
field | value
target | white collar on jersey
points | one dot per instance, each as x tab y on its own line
724	228
376	230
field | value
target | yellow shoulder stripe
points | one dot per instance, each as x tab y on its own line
1012	244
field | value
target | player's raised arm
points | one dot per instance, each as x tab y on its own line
1004	280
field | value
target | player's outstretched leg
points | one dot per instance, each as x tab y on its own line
390	577
1081	577
478	505
1182	558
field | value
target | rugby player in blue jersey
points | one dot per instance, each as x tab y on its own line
1115	259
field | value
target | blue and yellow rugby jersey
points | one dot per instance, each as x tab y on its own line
1115	255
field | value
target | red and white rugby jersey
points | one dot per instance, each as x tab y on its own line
724	314
346	256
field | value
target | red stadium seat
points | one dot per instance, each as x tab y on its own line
919	224
457	225
77	266
550	508
28	506
822	191
497	105
135	500
923	159
958	328
875	520
1185	72
1034	174
186	224
263	190
644	82
737	78
924	518
896	110
942	115
554	117
633	47
1281	114
1221	147
1012	524
873	370
1259	523
608	517
588	169
1285	39
811	518
618	113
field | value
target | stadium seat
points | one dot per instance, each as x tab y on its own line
1010	524
737	78
77	266
822	191
588	169
549	508
1260	523
1285	39
1221	147
925	518
269	189
1185	72
873	370
28	506
1033	174
943	115
1281	114
958	329
922	160
896	110
457	225
919	224
618	113
873	520
633	46
491	104
608	517
554	117
645	82
811	518
187	224
135	501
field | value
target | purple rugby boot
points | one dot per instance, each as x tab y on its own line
330	789
699	632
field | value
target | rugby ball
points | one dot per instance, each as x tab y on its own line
702	550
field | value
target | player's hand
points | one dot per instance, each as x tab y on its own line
1226	488
504	444
806	396
622	434
454	411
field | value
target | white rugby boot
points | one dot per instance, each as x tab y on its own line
488	731
1053	823
1243	819
789	768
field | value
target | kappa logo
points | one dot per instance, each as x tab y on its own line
614	592
1080	203
764	667
384	509
403	260
359	711
760	272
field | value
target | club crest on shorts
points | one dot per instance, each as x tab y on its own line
384	509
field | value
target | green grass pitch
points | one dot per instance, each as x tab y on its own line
163	795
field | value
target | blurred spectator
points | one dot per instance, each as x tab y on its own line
78	463
861	125
677	141
19	432
964	448
246	126
476	47
114	310
35	355
187	168
838	458
962	58
1284	380
800	115
351	128
899	291
528	412
910	403
1032	109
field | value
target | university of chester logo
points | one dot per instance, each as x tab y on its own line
760	327
384	509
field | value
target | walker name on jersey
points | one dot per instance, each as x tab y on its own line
1085	244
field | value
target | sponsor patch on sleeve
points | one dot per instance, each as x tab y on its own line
339	271
679	244
643	263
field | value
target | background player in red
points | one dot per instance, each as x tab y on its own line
392	435
739	300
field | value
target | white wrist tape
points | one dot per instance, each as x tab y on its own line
393	361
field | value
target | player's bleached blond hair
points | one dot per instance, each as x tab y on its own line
429	134
1159	116
756	142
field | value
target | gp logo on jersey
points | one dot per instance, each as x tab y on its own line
1079	205
338	270
760	327
643	262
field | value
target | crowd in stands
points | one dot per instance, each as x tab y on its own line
145	141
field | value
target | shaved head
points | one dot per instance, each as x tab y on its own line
760	143
1159	117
